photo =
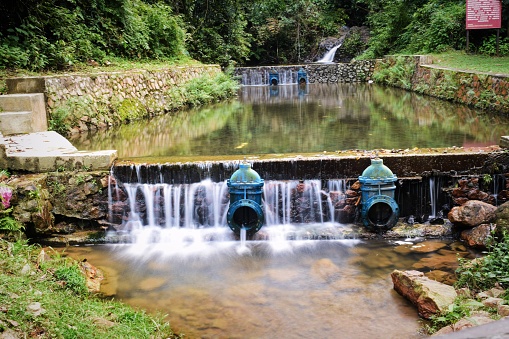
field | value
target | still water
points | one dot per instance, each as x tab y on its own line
291	119
274	289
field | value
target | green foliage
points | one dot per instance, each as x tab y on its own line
353	45
210	89
8	224
397	73
67	116
72	279
203	90
489	46
461	308
388	20
435	27
129	109
52	34
484	273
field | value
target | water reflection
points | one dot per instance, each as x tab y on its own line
296	119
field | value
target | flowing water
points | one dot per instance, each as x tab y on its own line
273	289
317	118
184	261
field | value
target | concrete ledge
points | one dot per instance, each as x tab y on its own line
26	85
49	151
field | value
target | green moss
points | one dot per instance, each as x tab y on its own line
129	109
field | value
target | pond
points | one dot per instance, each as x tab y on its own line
274	289
289	119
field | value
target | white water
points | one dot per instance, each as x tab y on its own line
435	186
184	216
260	76
329	56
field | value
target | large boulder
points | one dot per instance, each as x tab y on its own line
472	213
429	296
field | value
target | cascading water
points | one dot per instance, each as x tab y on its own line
164	212
329	56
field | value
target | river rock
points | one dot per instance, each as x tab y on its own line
502	217
472	213
93	276
476	237
475	319
430	297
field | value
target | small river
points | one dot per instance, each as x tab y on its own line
276	288
279	288
317	118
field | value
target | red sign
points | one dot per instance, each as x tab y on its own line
484	14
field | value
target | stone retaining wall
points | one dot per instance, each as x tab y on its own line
101	99
357	71
417	73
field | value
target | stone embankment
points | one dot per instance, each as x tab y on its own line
486	91
98	100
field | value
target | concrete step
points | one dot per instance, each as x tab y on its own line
16	102
15	122
49	151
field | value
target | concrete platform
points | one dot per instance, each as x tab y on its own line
49	151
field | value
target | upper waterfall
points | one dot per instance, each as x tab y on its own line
329	56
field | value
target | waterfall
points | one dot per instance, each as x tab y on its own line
329	56
204	205
435	187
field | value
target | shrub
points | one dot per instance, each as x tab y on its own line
488	271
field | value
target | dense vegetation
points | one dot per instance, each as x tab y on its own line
60	34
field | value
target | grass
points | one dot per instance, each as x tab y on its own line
44	296
481	63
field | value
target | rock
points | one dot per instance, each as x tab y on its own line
35	309
502	217
477	237
492	302
92	275
9	334
503	310
475	319
430	297
472	213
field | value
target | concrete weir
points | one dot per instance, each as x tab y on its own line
424	179
411	165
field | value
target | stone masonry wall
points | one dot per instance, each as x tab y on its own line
90	101
417	73
356	71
